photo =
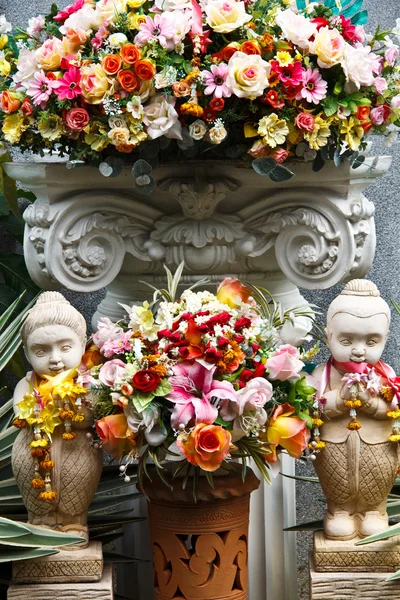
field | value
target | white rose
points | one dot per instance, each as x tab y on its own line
329	46
198	129
217	134
225	16
5	26
248	75
86	18
117	40
296	28
161	118
135	108
35	26
358	64
110	9
255	395
167	5
27	67
295	330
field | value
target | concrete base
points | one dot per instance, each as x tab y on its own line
99	590
351	586
77	566
339	556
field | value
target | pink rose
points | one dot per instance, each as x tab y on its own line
305	122
380	85
258	149
281	155
111	371
380	114
285	363
391	55
77	118
395	103
256	394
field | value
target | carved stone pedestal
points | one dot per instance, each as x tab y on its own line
68	565
200	549
98	590
343	571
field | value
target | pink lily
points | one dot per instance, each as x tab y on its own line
193	391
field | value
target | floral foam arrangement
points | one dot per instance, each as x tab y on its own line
152	80
202	380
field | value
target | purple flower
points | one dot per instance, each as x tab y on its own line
215	81
40	89
193	390
314	86
159	29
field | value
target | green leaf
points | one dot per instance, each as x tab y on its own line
330	106
11	554
383	535
352	9
263	166
8	187
310	526
12	529
145	184
141	167
15	273
360	18
163	389
280	173
142	400
358	161
115	557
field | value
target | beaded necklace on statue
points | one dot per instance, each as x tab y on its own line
358	377
39	409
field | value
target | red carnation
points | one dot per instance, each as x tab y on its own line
146	381
243	322
221	319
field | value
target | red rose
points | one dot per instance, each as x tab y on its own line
146	381
305	122
77	118
242	323
221	319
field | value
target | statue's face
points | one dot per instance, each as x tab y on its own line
53	349
356	339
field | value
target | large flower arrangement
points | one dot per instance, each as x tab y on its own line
202	381
266	79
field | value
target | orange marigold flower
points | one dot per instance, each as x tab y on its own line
66	414
37	452
69	436
159	370
78	418
354	425
19	423
267	42
46	465
48	496
37	483
387	393
189	108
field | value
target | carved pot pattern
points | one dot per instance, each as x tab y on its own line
200	549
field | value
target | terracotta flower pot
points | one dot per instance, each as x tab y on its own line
200	550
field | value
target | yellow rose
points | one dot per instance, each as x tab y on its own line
3	41
5	68
135	3
225	16
329	46
119	135
135	19
248	75
13	127
95	84
49	55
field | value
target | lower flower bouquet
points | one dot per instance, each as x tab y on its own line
202	380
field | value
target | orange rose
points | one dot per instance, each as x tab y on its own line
27	108
115	434
77	38
232	292
145	69
128	81
206	446
92	357
181	89
363	113
227	52
9	102
125	148
130	54
112	64
287	431
251	47
366	125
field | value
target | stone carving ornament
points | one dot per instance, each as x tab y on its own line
56	468
356	435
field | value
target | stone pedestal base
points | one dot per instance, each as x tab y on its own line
338	556
75	566
351	586
99	590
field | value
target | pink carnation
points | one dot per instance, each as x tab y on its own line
285	363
